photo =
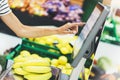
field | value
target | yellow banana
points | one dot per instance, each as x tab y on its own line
16	77
36	62
19	59
20	71
37	69
25	53
36	56
45	76
17	65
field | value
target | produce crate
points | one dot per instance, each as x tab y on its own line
109	33
41	52
38	51
53	52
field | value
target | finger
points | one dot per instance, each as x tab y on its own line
69	32
69	25
77	24
74	28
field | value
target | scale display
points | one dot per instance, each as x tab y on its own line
86	30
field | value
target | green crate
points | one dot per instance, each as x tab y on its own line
109	33
36	45
17	50
40	52
46	49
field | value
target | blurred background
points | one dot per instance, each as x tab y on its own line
54	13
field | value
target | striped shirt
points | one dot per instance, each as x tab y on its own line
4	7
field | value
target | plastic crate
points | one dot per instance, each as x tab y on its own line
40	52
109	33
54	52
51	55
19	48
25	42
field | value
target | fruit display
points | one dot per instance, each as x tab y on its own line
32	62
64	10
60	10
61	42
31	66
33	7
14	4
62	63
34	67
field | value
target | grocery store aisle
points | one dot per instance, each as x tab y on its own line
8	41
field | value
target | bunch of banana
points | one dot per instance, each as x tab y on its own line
66	68
61	42
32	66
62	63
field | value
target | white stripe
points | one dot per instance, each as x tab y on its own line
4	9
5	13
3	1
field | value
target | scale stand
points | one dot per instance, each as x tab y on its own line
80	61
78	69
75	73
90	44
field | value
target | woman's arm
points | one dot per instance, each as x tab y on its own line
28	31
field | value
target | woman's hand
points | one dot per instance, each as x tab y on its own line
70	28
22	30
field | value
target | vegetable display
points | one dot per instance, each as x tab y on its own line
60	10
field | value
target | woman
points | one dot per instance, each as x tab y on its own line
22	30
